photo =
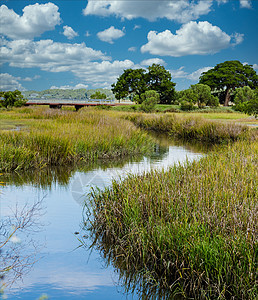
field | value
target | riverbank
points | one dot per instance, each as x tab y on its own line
190	231
57	137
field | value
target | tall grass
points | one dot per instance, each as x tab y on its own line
192	128
52	137
190	231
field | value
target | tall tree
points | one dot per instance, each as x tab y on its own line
130	83
229	75
134	82
160	80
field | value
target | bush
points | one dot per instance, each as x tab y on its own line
150	100
246	100
186	106
10	99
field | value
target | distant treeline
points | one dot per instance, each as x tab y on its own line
67	94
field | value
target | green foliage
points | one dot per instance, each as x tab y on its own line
186	105
98	95
199	94
150	100
160	80
11	99
229	75
134	83
204	97
190	230
131	83
246	100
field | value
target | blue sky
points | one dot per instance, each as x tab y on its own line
88	44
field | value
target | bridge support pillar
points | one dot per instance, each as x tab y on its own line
55	106
77	107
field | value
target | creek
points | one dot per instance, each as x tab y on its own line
57	264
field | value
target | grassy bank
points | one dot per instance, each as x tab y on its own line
56	137
190	127
189	231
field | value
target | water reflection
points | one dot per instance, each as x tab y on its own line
19	248
63	272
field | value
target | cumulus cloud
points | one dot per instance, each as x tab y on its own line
47	55
10	83
35	20
192	38
104	73
149	62
91	66
181	11
245	4
179	73
196	74
110	34
69	32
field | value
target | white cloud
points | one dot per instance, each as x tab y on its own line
132	49
47	55
91	66
136	27
35	20
181	11
237	38
245	4
87	33
110	34
70	87
149	62
196	74
104	73
179	73
255	66
192	38
10	83
69	32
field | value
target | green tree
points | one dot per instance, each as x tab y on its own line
10	99
246	100
131	83
134	83
187	99
204	96
150	100
229	75
98	95
160	80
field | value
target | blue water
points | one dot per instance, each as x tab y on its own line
62	269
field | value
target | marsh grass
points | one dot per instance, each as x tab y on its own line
58	137
190	127
190	231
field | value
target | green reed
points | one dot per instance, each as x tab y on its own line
191	230
59	137
192	127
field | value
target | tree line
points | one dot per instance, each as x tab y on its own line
220	85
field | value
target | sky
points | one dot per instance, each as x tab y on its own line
88	44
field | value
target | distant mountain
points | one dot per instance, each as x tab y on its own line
79	94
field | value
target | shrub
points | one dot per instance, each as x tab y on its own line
150	100
186	105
